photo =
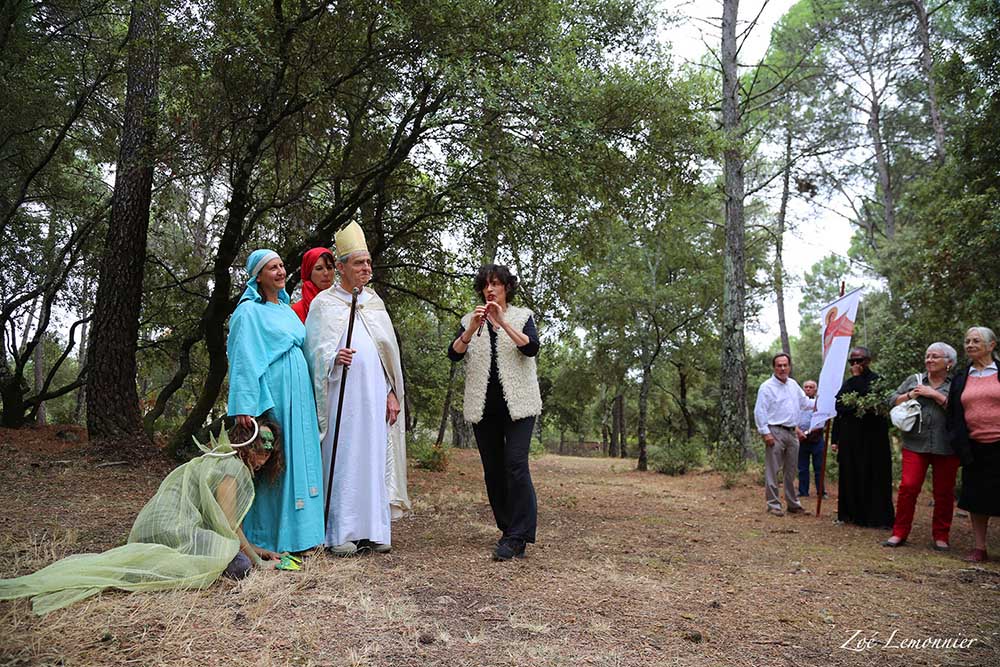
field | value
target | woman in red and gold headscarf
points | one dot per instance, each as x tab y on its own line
317	275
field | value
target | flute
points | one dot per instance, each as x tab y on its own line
483	323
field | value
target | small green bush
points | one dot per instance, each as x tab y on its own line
433	457
676	458
537	449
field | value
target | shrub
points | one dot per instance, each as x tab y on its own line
676	458
537	449
433	457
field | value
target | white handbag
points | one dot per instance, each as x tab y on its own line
908	413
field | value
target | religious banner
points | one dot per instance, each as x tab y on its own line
838	327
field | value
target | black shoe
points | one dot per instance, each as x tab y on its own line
367	546
507	548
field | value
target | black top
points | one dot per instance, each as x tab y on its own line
496	405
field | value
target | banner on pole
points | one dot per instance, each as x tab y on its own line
837	319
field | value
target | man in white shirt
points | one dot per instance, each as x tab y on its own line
780	399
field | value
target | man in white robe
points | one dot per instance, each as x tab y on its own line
369	479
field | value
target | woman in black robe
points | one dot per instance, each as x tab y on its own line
863	453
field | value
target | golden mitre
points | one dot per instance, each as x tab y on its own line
349	240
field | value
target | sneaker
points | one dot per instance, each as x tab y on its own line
775	511
507	548
796	510
374	547
343	550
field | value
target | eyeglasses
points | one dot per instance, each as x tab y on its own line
855	361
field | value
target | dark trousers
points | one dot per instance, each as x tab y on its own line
809	452
503	448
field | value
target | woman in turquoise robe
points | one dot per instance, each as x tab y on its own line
267	371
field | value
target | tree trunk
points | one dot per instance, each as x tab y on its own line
12	394
12	385
562	440
616	428
622	440
81	393
447	404
882	164
779	242
30	322
647	377
927	65
733	410
39	380
113	413
604	438
462	435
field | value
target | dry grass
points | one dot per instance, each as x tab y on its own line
630	569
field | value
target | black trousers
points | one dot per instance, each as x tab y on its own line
503	448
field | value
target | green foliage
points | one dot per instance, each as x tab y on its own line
676	458
554	136
428	455
874	402
536	449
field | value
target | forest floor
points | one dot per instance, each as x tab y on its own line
630	568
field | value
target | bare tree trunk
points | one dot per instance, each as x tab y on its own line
81	393
647	375
616	428
462	435
622	439
605	432
562	440
882	164
447	404
927	65
113	411
733	413
779	242
30	322
39	380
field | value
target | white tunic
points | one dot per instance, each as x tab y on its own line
359	500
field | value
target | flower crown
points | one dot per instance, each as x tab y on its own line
222	447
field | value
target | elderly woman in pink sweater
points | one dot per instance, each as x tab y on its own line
974	428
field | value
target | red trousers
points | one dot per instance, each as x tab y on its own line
914	471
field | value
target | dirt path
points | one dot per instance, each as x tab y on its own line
630	569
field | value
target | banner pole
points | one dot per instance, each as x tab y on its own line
827	430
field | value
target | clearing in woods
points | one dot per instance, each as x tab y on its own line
630	569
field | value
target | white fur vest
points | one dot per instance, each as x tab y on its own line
518	373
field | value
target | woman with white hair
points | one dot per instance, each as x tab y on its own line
974	427
926	444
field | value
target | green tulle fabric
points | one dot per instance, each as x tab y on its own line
184	537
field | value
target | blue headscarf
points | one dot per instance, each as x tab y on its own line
257	260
